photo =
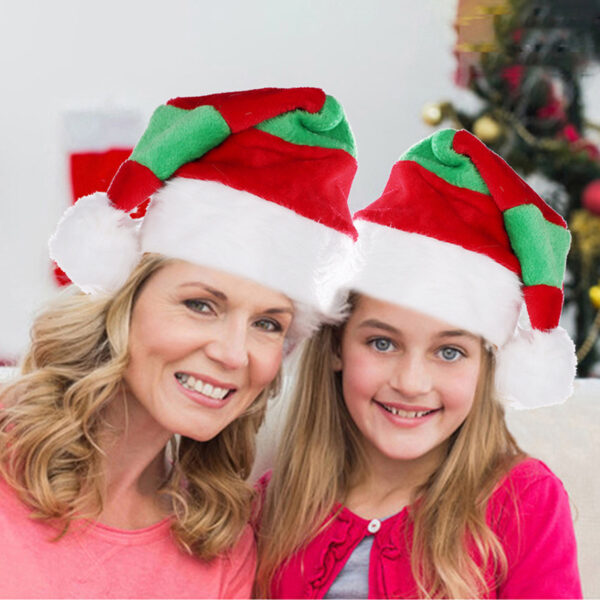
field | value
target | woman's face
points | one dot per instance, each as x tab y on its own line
203	344
408	379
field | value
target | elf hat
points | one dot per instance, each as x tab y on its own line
458	235
254	183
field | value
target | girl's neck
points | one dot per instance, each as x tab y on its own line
386	485
134	466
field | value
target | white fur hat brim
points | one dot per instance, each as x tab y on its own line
467	289
209	223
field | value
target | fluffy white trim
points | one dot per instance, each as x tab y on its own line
95	244
464	288
536	368
208	223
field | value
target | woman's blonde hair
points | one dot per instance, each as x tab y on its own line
320	457
52	417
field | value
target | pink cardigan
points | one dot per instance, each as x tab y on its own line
537	537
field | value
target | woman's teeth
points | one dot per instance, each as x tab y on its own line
191	383
405	413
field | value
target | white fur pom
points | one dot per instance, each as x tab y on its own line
536	368
95	244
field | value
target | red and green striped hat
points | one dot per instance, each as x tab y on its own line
458	235
254	183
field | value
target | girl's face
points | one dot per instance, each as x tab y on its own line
203	344
408	379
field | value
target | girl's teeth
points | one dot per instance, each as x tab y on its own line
191	381
405	413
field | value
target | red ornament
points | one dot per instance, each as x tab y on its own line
591	197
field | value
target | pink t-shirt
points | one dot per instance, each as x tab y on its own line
95	561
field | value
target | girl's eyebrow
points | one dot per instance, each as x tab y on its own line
387	327
379	325
457	333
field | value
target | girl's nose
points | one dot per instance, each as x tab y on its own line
412	377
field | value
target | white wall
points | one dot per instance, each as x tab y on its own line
382	58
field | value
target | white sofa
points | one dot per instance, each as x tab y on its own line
566	437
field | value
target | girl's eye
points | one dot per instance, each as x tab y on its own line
268	325
381	344
200	306
450	354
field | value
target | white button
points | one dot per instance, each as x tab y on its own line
374	526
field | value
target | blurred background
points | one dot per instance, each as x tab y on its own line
81	78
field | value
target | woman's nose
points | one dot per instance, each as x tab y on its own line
411	377
229	344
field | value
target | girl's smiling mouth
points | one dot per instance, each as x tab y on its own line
417	412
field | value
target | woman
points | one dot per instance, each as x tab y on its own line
175	345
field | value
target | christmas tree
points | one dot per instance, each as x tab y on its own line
525	59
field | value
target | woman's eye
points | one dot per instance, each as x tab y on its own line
450	354
200	306
268	325
381	344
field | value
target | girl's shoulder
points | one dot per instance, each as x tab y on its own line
528	488
526	473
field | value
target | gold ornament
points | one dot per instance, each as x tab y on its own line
585	228
595	296
487	129
432	113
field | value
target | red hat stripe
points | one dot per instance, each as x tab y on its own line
132	184
296	177
544	305
418	201
248	109
507	190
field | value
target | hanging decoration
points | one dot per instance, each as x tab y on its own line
525	60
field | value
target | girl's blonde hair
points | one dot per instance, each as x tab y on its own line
52	418
320	457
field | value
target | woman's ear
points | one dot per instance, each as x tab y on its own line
336	361
336	352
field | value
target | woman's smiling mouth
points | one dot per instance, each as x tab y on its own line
195	384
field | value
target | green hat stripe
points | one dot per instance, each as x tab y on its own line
540	246
327	128
437	155
176	136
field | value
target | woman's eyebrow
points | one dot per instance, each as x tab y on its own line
283	309
379	325
223	297
216	293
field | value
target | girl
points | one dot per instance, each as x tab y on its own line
177	344
397	476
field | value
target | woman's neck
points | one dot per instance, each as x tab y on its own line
134	466
386	485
